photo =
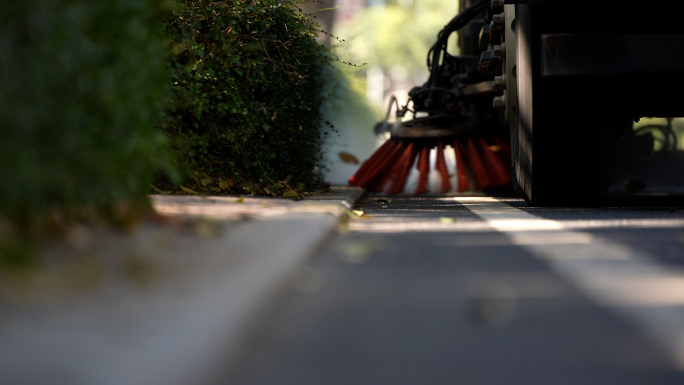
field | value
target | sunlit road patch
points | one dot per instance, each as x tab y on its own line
615	275
477	290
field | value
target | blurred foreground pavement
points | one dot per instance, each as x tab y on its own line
422	290
166	304
477	290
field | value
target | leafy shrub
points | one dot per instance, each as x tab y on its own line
80	89
247	92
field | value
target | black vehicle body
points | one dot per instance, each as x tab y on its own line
572	76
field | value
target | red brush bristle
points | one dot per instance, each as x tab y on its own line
424	168
373	176
461	167
504	153
388	181
375	159
376	182
401	170
442	168
498	174
484	162
477	167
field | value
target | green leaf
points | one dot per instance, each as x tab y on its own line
290	194
189	190
224	184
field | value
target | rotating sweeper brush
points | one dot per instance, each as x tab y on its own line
452	141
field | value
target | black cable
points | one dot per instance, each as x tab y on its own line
393	99
431	89
458	22
439	48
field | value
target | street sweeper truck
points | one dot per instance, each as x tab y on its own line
538	96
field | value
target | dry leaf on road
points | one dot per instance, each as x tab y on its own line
348	158
290	194
189	190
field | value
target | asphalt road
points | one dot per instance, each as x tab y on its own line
480	291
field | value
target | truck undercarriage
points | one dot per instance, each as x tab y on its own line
567	78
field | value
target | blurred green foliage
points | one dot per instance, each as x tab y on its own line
659	135
81	86
349	108
247	90
398	33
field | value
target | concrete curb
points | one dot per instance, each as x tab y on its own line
181	333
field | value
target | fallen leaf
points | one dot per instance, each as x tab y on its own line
681	238
381	201
206	181
447	220
359	214
491	306
240	200
348	158
360	252
159	191
306	280
189	190
343	225
205	228
216	189
290	194
224	184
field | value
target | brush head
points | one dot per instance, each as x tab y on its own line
426	128
433	126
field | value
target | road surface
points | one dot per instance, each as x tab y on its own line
479	290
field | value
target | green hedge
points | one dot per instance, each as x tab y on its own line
81	83
247	91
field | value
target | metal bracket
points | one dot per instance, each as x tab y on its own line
596	54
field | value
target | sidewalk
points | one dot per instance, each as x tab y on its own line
168	304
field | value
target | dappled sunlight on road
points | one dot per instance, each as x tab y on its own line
502	219
618	275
